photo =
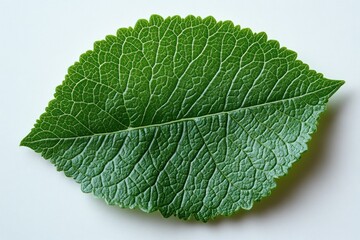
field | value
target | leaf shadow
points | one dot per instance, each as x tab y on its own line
299	174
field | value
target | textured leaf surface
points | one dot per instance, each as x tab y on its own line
191	117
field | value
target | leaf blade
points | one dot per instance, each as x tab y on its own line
167	115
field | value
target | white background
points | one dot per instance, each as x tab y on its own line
39	40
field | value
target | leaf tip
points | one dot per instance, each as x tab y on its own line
24	142
340	82
337	84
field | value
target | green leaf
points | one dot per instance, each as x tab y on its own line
191	117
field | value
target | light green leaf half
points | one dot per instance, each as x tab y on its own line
191	117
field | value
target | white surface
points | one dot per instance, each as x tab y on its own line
39	40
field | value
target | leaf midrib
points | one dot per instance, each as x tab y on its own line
193	118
